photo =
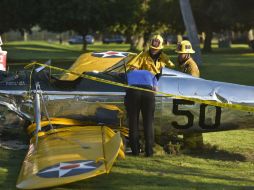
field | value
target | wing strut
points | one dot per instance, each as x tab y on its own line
37	111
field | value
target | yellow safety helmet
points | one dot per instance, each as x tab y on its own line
156	42
184	47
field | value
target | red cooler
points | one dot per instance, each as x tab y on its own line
3	55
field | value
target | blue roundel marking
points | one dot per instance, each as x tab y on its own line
67	169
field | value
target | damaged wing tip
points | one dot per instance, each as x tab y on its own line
221	99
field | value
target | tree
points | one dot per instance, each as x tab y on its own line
145	17
244	17
128	18
165	15
216	16
81	16
213	16
18	15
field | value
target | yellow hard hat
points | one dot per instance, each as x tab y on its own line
156	42
184	47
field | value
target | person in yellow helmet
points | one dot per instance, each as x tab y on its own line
185	62
143	72
153	59
188	65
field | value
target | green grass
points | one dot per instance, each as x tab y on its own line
10	162
230	166
226	163
233	65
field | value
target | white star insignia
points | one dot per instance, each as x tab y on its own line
112	53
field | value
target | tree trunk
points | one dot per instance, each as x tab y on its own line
251	38
25	36
84	48
137	42
140	43
208	41
251	34
146	40
132	44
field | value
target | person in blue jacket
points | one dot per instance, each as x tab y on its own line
137	101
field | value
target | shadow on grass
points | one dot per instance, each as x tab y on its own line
36	46
135	173
27	52
235	50
209	152
116	181
163	173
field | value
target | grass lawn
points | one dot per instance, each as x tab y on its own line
227	164
228	65
230	166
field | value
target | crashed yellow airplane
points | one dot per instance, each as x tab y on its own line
76	121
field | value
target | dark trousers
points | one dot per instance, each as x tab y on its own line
136	101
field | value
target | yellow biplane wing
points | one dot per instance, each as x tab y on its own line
68	154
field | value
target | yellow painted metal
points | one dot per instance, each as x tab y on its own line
86	62
54	121
72	122
68	145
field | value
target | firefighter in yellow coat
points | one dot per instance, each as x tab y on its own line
186	63
152	60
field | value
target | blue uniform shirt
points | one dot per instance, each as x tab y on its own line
141	77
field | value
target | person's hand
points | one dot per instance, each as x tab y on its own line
132	68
